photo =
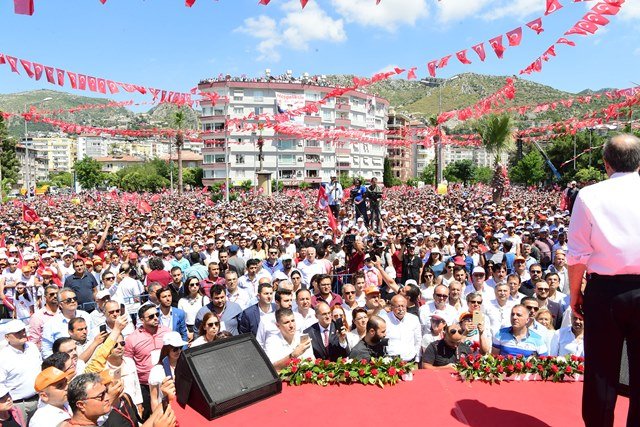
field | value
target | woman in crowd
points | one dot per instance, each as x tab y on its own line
169	354
337	312
121	367
192	302
427	283
358	326
208	331
543	316
258	250
23	302
447	274
435	262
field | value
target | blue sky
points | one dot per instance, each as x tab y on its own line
163	44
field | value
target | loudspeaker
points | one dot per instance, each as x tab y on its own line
623	383
225	375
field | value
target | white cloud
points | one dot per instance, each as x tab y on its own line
630	10
458	10
388	15
295	30
488	10
518	9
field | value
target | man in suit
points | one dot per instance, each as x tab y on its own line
326	341
171	317
542	295
250	317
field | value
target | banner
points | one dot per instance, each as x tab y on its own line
289	102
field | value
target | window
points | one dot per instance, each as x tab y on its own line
312	174
238	111
238	95
287	159
314	158
240	159
219	158
257	96
218	112
287	145
286	174
326	115
257	110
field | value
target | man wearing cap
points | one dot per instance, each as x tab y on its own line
180	260
83	284
19	367
43	315
51	385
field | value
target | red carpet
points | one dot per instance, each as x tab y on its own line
432	398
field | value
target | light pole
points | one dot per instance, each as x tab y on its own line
26	144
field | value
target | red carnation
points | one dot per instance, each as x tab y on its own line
510	357
294	369
568	370
462	357
309	359
363	361
326	363
500	358
555	369
540	368
320	376
308	375
500	369
519	365
464	363
295	360
475	346
374	372
476	365
318	361
403	363
391	371
361	372
487	369
510	368
529	365
581	368
574	358
401	372
347	374
331	374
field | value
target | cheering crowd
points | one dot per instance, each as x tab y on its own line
100	297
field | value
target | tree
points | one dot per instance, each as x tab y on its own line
61	179
496	133
345	180
482	174
280	186
460	170
589	174
179	120
192	177
428	174
88	173
530	170
387	174
8	160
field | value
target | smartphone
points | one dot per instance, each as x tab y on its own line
339	324
103	328
123	310
117	374
304	337
477	318
165	404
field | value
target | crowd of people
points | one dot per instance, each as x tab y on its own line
100	298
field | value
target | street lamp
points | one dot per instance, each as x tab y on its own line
439	83
26	145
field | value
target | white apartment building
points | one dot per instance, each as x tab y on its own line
290	159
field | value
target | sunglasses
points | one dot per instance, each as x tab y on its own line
120	344
543	289
194	284
176	349
349	292
152	316
455	331
536	271
109	278
61	385
52	294
530	307
99	397
211	324
70	300
475	302
442	295
113	311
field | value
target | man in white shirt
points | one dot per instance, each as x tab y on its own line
349	301
267	327
309	267
439	303
51	385
58	325
287	344
403	331
499	310
303	301
479	285
234	292
249	281
19	367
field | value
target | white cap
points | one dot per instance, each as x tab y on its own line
103	293
173	339
13	326
279	275
478	270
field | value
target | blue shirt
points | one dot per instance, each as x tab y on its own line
532	344
58	327
183	264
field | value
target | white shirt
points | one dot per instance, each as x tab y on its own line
488	293
449	314
191	306
268	327
309	320
127	292
498	316
49	415
564	342
58	326
605	226
19	369
404	336
278	348
309	269
240	297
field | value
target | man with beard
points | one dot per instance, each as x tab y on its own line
374	342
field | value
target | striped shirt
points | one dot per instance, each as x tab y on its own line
532	344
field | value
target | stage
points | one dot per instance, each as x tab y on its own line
432	398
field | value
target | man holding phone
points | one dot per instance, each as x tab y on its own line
328	339
288	344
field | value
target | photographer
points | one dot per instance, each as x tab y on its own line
411	263
358	195
374	194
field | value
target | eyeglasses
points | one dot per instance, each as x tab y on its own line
99	397
120	343
478	274
109	278
536	271
475	302
52	294
442	295
530	307
194	284
543	289
455	331
113	311
61	385
152	316
348	292
273	253
211	324
176	349
70	300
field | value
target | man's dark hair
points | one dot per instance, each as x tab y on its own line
525	299
622	153
299	291
322	277
507	245
283	312
161	291
281	292
551	273
77	389
59	342
216	290
57	360
145	307
494	240
252	262
155	263
261	286
374	323
194	258
176	268
74	321
535	264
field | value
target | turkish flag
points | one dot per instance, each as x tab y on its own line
444	61
515	36
596	18
37	70
73	79
49	73
82	82
332	220
28	214
303	3
144	206
462	56
537	65
264	2
496	45
93	84
431	66
479	49
23	7
2	59
605	9
563	40
163	96
411	74
155	198
552	6
113	87
536	25
589	27
187	3
551	51
13	63
60	74
575	30
323	198
128	87
27	67
102	86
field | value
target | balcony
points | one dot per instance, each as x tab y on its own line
342	106
313	180
342	150
313	149
343	122
312	165
343	165
312	120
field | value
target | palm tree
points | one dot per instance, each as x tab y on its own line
496	133
179	119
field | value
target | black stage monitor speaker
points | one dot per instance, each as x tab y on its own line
623	384
225	375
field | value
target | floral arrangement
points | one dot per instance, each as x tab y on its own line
377	371
499	368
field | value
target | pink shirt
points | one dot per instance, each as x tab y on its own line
140	345
36	324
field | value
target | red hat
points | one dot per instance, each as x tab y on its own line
133	255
